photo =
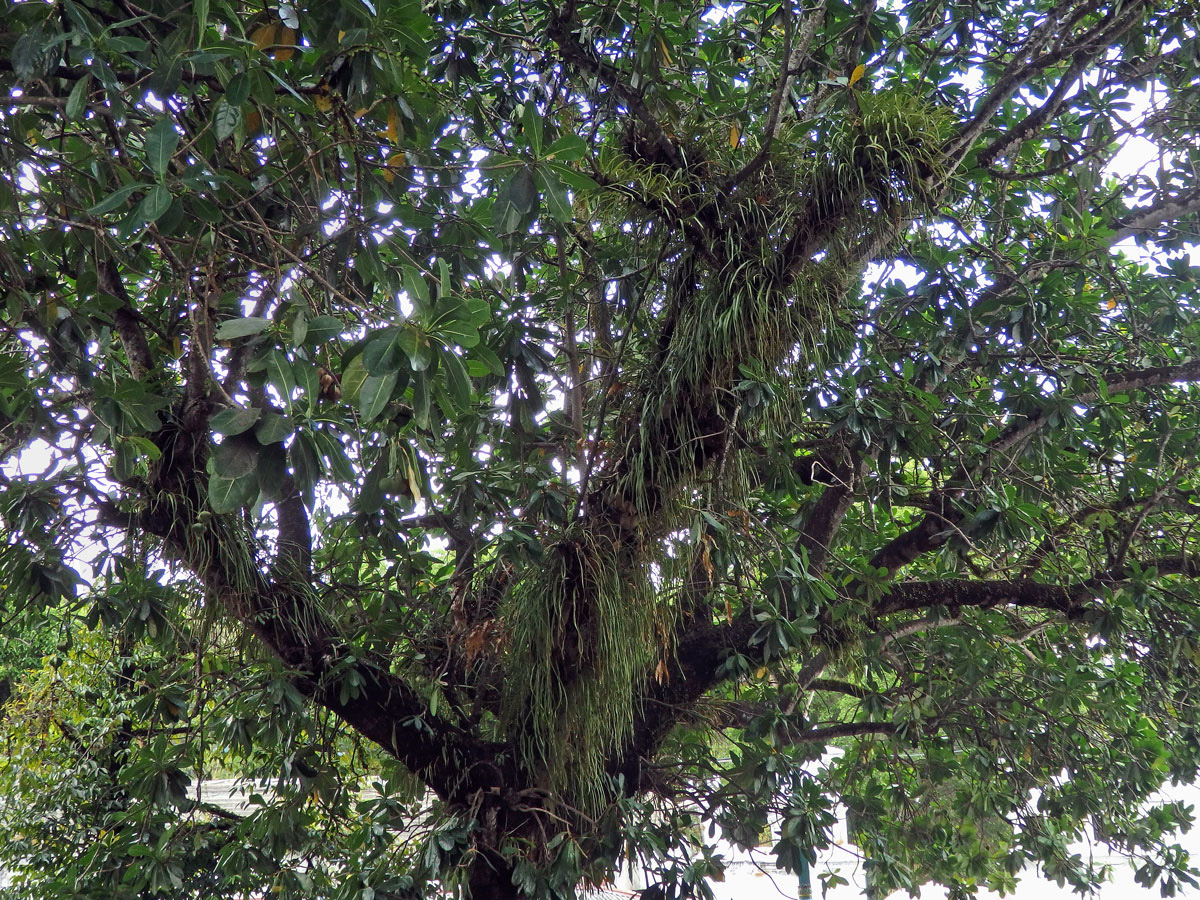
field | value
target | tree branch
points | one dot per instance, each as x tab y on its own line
1029	59
587	60
1151	217
824	519
125	318
1031	124
791	59
933	530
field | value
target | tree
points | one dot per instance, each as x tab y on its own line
573	420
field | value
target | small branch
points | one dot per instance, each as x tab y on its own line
1034	122
848	729
1151	217
932	531
1029	59
838	687
587	60
792	57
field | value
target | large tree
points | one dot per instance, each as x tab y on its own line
576	419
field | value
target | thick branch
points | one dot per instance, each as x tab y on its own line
1072	601
824	519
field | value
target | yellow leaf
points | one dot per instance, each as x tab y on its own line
662	46
735	136
761	673
321	100
393	126
287	43
414	483
1112	303
263	36
858	73
341	34
661	672
389	167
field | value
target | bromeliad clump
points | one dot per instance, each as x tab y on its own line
761	282
582	627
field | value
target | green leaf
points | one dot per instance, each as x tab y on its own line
232	329
115	199
226	495
200	7
161	143
29	54
415	344
416	287
335	453
374	395
306	464
479	311
421	399
156	202
77	99
458	331
279	371
458	383
573	178
522	191
556	195
237	91
487	357
236	456
322	329
531	120
124	461
273	429
382	353
353	376
299	328
234	420
272	471
445	281
567	148
139	404
226	119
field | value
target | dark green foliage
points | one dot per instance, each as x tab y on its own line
518	437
